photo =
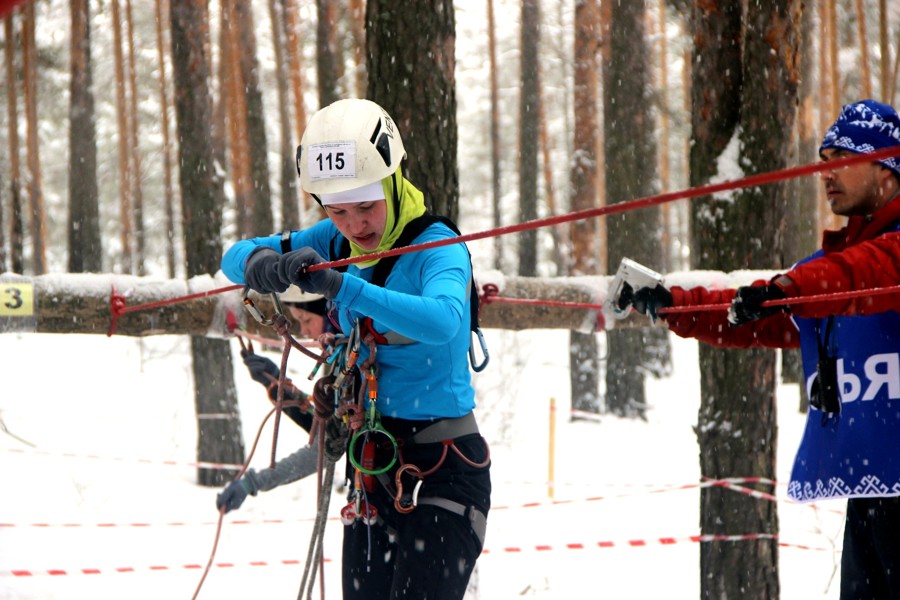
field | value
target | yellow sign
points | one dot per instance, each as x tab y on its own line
16	299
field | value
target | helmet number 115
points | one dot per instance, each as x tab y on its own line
332	161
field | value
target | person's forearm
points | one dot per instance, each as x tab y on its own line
298	465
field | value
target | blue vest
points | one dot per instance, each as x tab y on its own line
855	453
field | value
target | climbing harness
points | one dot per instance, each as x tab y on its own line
368	436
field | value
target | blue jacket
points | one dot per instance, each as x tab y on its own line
426	298
855	453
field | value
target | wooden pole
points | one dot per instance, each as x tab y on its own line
551	454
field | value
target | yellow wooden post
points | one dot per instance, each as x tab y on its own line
551	454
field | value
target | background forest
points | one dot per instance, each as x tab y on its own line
143	137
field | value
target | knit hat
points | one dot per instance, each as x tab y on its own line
863	127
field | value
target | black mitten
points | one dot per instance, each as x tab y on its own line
646	301
261	272
747	304
293	268
261	368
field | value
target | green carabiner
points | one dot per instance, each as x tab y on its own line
380	430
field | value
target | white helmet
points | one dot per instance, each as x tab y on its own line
346	145
295	294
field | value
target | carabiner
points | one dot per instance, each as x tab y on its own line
255	312
478	368
356	465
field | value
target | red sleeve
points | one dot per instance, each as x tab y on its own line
871	264
712	327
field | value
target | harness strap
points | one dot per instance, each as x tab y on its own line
477	519
446	429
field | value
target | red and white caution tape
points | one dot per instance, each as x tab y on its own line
156	568
125	459
602	544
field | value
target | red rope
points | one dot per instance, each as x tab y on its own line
119	308
244	467
879	291
647	201
491	294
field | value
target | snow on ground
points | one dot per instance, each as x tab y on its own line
105	505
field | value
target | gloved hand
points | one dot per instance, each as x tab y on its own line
646	301
259	366
261	272
292	268
234	494
747	303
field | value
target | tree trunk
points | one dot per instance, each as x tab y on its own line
865	70
884	45
125	200
85	250
218	422
290	215
326	48
802	208
717	52
235	109
16	219
255	120
753	107
408	39
496	174
166	150
295	71
356	15
134	147
584	363
529	110
35	189
665	179
628	136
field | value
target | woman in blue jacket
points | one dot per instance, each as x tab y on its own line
415	524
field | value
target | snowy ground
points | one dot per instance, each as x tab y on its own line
104	505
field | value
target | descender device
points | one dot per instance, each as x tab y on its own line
635	275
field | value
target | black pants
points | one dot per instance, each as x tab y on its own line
870	566
428	553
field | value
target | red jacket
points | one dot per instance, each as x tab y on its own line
859	256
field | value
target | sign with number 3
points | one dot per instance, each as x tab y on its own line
16	300
17	306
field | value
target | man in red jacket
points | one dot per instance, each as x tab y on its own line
850	347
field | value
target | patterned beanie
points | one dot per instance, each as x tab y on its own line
863	127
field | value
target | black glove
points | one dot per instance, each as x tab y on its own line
234	494
292	268
646	301
747	303
259	366
261	272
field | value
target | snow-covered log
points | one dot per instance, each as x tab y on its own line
83	303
